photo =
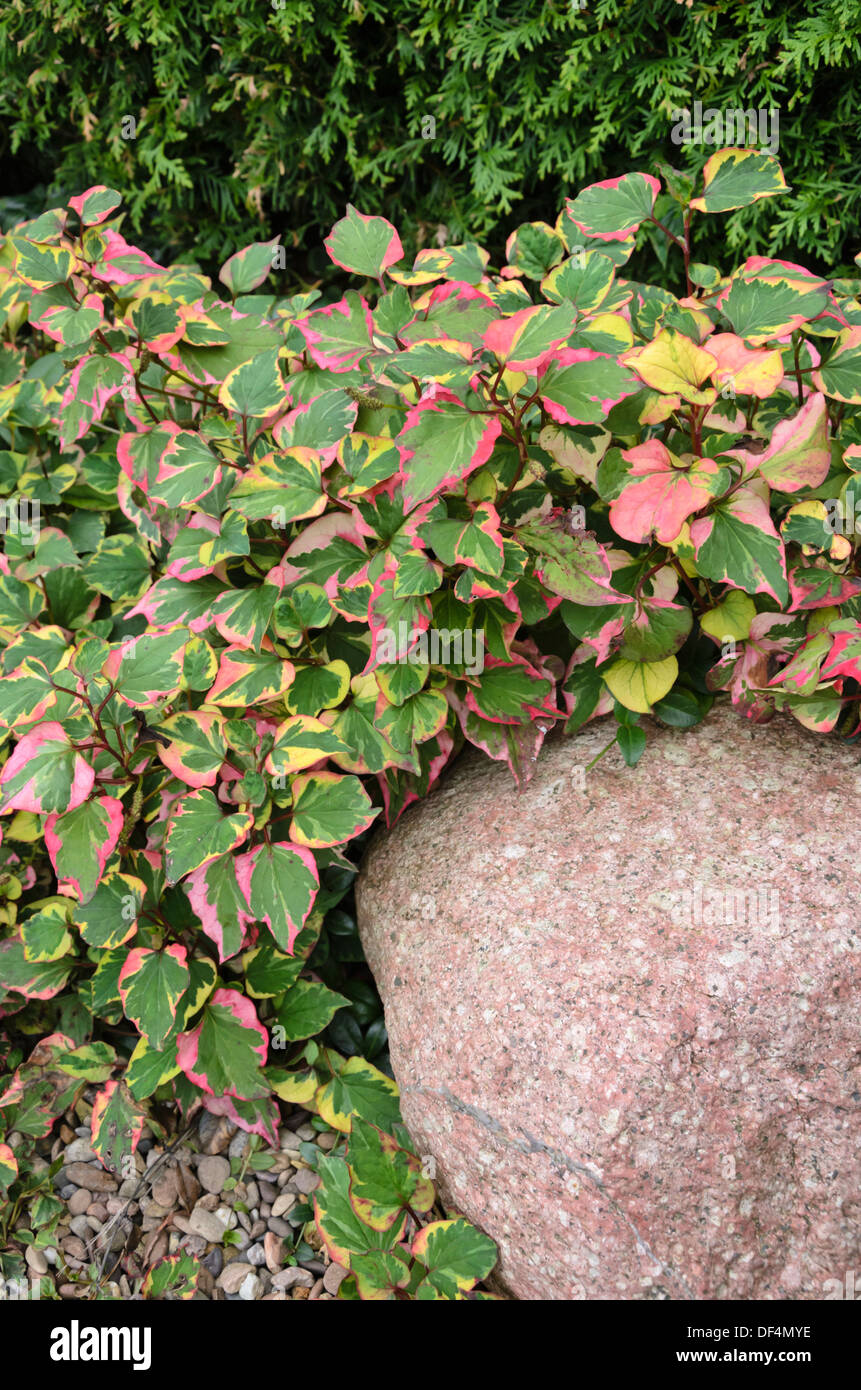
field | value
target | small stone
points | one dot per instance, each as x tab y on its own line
265	1209
206	1223
80	1226
79	1151
114	1205
257	1230
252	1194
195	1245
239	1144
128	1187
273	1251
189	1187
283	1203
316	1290
327	1140
36	1260
306	1181
306	1132
334	1278
268	1190
278	1226
244	1221
79	1201
251	1288
94	1223
293	1275
92	1178
255	1256
214	1132
214	1261
209	1202
232	1277
213	1172
180	1221
50	1253
74	1247
227	1217
165	1189
72	1290
99	1210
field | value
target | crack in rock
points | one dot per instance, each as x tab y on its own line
561	1160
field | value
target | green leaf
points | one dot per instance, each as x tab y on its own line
456	1255
385	1179
197	832
151	985
365	245
306	1009
279	882
735	178
329	809
225	1052
255	388
632	741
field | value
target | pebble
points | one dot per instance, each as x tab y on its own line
233	1275
79	1201
287	1278
238	1146
334	1278
128	1187
213	1172
265	1209
306	1181
252	1194
283	1203
80	1226
99	1210
327	1140
206	1223
92	1178
214	1261
273	1248
36	1260
268	1190
251	1288
306	1132
258	1230
255	1256
74	1247
65	1189
79	1151
180	1222
94	1223
165	1189
214	1132
227	1217
113	1206
278	1226
244	1221
51	1255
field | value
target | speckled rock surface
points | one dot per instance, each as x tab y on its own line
624	1017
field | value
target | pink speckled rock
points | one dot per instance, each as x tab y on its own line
624	1017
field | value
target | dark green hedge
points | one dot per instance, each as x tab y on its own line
256	117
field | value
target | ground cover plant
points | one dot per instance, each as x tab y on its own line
223	125
269	562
